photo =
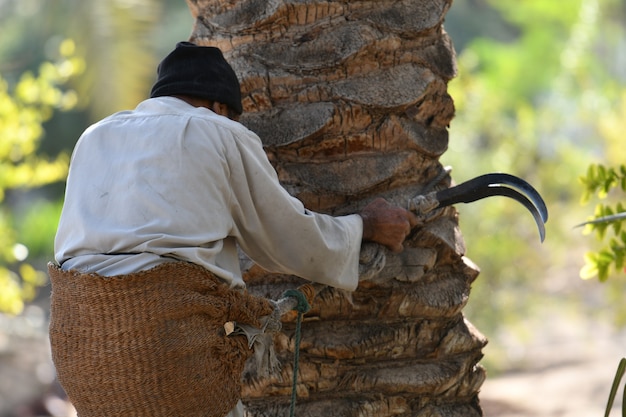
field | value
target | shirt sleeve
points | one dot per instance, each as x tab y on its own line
279	233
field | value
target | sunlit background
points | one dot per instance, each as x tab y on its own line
540	93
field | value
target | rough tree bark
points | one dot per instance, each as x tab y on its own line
350	99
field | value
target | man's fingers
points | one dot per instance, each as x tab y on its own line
396	248
413	219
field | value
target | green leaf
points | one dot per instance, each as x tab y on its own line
603	273
605	257
621	369
617	226
590	269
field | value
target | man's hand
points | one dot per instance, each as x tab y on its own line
387	224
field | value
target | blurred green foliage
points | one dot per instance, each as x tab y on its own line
543	101
22	114
109	66
600	181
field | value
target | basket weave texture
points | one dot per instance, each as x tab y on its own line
150	343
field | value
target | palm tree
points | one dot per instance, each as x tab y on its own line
350	99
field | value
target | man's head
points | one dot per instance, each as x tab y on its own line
198	71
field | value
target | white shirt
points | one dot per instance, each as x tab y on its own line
169	181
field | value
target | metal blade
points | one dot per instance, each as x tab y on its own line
474	189
499	190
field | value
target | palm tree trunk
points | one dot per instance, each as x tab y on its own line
350	99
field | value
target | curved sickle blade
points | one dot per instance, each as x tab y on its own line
499	190
468	191
493	185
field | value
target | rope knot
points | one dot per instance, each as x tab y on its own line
303	305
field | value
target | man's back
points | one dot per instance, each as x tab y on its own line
169	181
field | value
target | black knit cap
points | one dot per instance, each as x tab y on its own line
198	71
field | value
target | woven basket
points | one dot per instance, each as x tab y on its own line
150	343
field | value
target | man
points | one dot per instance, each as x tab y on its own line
157	201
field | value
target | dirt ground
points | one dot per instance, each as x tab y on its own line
566	371
567	387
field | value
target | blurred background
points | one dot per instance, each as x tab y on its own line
540	93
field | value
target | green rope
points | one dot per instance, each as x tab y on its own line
302	307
